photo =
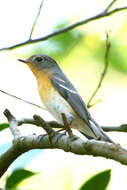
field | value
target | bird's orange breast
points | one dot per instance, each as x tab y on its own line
45	87
51	98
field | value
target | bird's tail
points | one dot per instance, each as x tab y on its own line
98	132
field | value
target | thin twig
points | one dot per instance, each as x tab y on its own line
65	29
36	18
23	100
93	104
103	73
110	5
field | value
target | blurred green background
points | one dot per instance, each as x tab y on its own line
80	53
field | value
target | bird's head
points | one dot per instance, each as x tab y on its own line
40	63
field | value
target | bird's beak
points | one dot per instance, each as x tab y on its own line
24	61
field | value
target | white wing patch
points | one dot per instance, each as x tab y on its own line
72	91
64	86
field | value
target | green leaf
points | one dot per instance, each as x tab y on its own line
16	177
64	42
3	126
118	56
98	181
58	46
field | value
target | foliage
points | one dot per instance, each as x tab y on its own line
98	181
3	126
17	177
58	46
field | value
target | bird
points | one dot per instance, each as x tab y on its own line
60	96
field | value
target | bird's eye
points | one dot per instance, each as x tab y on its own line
38	59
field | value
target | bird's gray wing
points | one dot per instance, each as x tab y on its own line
69	93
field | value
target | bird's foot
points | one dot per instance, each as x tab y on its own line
41	137
59	136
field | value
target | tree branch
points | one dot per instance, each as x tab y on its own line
50	141
55	125
13	124
121	128
103	14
